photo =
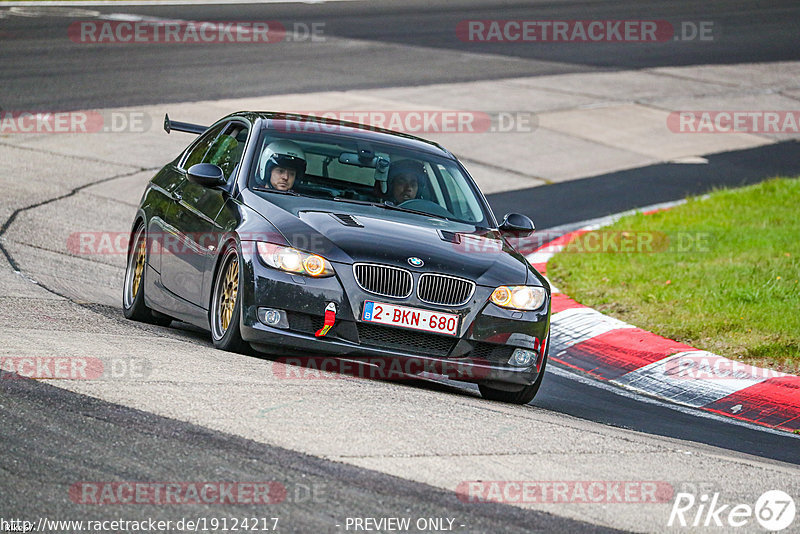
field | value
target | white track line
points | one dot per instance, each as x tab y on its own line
640	397
620	385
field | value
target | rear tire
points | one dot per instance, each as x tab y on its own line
133	305
523	396
226	302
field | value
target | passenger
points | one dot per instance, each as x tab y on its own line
405	178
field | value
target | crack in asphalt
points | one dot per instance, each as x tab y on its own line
787	95
490	455
8	222
59	252
686	77
16	268
505	169
62	155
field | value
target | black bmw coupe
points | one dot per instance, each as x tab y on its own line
306	236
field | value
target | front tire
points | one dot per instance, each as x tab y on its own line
133	305
523	396
226	303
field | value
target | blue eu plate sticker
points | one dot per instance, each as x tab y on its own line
368	310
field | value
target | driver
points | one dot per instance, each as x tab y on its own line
404	180
282	162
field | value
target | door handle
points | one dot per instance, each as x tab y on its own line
176	196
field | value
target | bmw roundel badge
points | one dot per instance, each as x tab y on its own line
415	262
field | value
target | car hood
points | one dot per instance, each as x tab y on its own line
349	233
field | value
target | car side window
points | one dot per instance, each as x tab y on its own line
198	151
227	149
223	146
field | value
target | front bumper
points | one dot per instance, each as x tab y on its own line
486	337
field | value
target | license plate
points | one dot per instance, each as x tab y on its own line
414	318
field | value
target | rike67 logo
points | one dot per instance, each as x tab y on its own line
774	511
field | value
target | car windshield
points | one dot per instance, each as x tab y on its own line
346	169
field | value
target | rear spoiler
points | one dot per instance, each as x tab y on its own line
182	126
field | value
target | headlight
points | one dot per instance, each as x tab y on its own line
294	261
519	297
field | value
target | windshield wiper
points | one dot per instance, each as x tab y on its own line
418	212
279	191
391	207
354	201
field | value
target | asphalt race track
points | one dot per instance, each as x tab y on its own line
155	448
370	448
373	44
607	194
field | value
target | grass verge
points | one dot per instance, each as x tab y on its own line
718	273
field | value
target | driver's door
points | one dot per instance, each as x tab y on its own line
192	217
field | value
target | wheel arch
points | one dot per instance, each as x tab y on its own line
138	219
229	239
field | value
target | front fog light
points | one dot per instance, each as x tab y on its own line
522	358
274	318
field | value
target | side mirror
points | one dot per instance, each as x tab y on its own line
517	225
206	174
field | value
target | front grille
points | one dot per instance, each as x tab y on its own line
304	322
405	340
444	290
383	280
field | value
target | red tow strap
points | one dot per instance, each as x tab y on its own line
330	318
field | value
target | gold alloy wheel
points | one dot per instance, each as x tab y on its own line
228	294
139	267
